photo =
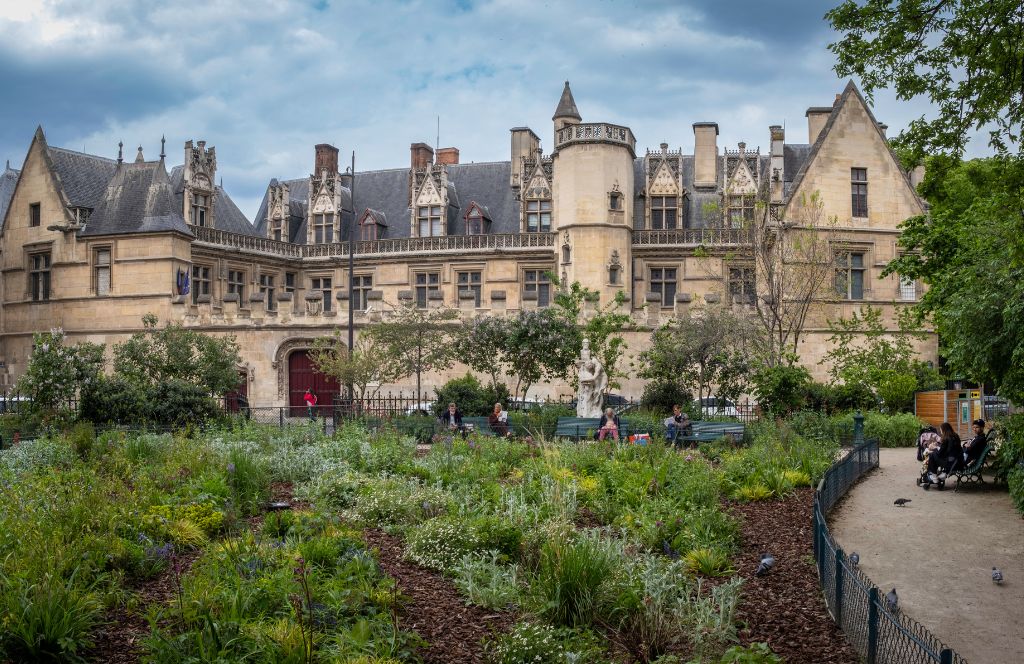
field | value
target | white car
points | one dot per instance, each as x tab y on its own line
711	407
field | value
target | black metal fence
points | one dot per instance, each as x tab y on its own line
879	635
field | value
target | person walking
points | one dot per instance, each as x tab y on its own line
310	400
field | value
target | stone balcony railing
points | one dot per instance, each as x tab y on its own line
405	245
694	237
597	132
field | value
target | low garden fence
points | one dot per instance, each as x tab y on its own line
857	605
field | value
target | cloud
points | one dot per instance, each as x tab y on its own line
265	80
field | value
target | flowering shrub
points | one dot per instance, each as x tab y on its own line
527	643
441	543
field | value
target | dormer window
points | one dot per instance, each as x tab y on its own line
478	221
368	232
323	228
371	225
200	209
741	210
428	219
538	216
663	212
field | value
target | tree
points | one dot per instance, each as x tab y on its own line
867	356
418	340
175	352
781	389
482	345
794	270
970	252
58	373
965	56
541	345
601	328
708	351
369	363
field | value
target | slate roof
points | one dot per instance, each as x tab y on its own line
84	177
8	181
794	156
567	105
138	199
227	216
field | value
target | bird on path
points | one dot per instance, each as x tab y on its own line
901	502
767	562
892	601
997	576
855	559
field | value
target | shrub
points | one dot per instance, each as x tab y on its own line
755	653
898	430
709	562
82	438
570	577
1015	482
813	424
527	643
248	480
441	543
487	582
472	398
781	389
49	619
1010	433
659	396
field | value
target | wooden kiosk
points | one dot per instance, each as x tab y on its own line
958	407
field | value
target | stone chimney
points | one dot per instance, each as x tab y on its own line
422	156
777	174
326	159
817	116
525	143
705	154
447	156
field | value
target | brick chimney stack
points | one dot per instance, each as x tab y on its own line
422	156
326	159
447	156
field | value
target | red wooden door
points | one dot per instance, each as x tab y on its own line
234	399
301	376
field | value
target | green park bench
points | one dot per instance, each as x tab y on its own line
586	427
478	424
972	473
708	432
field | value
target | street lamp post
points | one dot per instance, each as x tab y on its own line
351	269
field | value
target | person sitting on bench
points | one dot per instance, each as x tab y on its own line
974	447
677	425
451	419
949	455
609	425
498	421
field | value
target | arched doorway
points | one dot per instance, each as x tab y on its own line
303	375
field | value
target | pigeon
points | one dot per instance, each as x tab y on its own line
892	601
767	562
997	576
855	559
901	502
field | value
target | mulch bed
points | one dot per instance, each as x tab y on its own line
119	640
434	609
785	607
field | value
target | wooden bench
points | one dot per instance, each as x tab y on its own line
972	473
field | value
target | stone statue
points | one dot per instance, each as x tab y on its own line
592	382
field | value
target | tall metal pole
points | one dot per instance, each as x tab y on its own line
351	266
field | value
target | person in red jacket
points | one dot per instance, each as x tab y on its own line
310	400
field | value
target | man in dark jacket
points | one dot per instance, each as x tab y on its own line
451	419
974	447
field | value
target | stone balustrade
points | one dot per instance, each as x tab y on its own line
595	132
694	237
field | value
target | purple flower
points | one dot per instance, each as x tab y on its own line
659	524
231	467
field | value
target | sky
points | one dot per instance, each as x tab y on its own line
266	80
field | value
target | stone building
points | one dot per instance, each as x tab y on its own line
91	244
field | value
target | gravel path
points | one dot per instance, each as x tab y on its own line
938	552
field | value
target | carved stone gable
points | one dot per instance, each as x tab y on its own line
742	181
664	182
429	194
198	177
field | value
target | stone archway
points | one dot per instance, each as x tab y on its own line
280	363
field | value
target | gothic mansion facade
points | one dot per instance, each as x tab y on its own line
91	244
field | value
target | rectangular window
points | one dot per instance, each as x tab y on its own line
267	290
859	191
429	220
323	284
200	282
361	287
908	289
277	234
101	271
39	276
663	212
368	232
850	275
536	281
289	282
538	216
35	216
663	282
200	206
741	211
426	283
236	284
323	228
475	224
471	281
741	285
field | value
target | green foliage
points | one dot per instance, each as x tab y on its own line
248	480
709	348
867	357
601	328
969	250
472	398
922	49
174	402
570	578
369	363
485	581
659	396
56	374
49	619
541	344
709	562
755	653
891	430
415	341
179	354
1010	434
781	389
482	346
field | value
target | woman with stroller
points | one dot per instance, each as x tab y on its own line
946	458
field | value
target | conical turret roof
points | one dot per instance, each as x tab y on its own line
567	105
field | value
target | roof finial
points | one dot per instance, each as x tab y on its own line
120	152
163	140
8	164
139	159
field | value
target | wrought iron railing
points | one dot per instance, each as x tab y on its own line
695	236
879	635
597	132
445	243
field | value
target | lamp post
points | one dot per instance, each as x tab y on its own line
351	268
